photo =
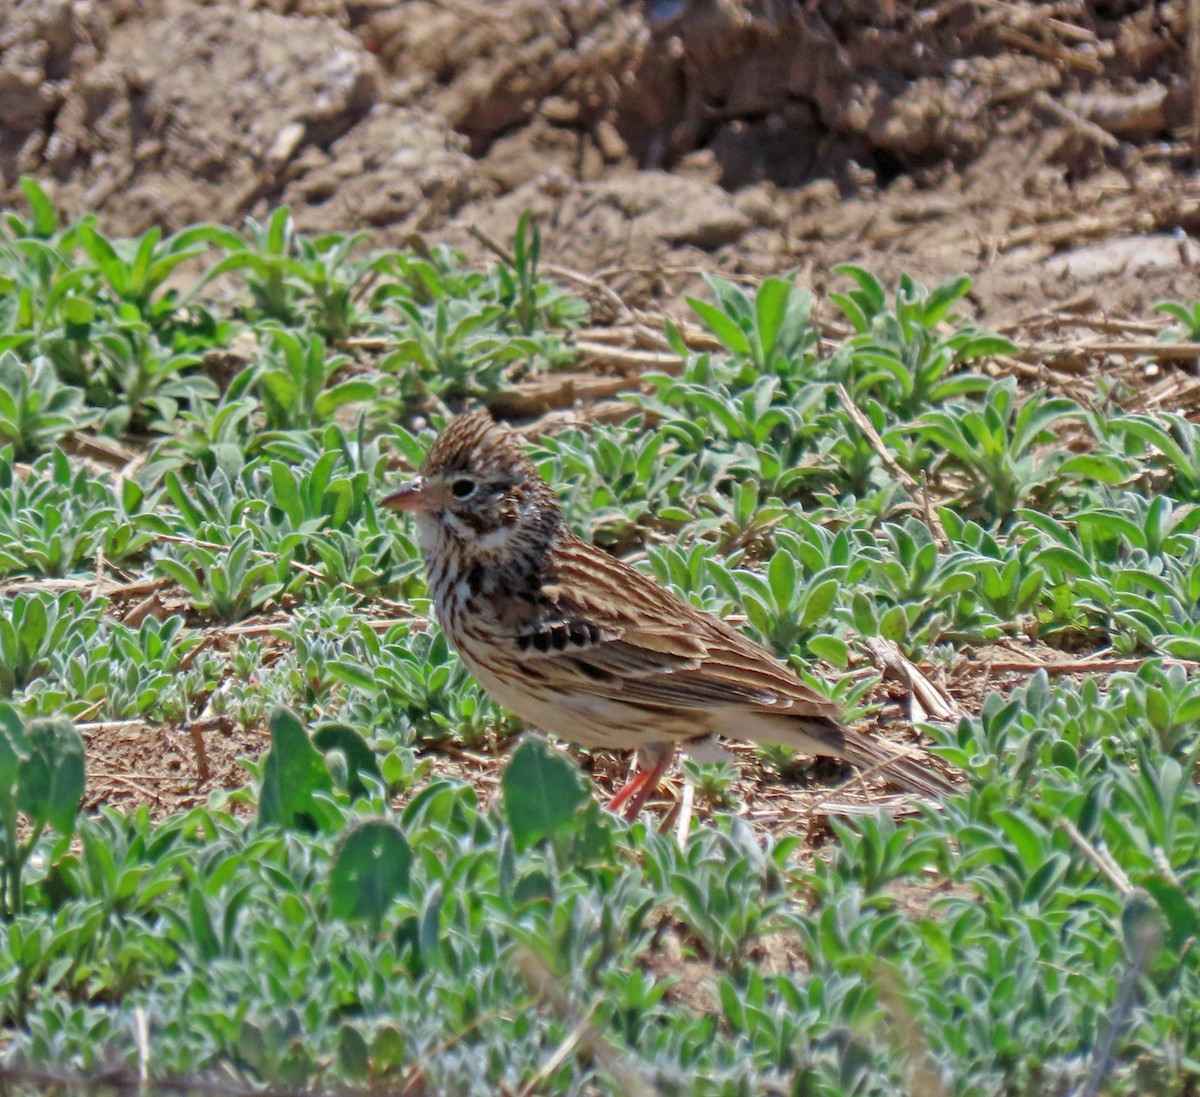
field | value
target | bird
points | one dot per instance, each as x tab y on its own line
580	644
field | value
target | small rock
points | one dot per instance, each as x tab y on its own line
1133	254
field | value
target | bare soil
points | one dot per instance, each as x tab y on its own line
1046	149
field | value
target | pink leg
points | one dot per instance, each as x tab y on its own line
653	762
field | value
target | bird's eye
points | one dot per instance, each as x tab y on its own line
462	488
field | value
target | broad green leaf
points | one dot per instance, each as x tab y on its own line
45	220
722	326
360	758
543	792
369	872
293	772
1179	909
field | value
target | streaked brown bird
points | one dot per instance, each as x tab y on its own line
579	644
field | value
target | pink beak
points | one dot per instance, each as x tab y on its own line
410	496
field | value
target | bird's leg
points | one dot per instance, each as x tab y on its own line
653	761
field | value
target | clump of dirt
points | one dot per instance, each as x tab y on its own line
651	138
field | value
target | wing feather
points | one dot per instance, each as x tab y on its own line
630	636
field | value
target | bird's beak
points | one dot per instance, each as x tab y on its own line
411	496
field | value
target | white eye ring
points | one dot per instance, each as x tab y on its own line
462	488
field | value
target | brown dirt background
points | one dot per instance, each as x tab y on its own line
1046	149
1042	148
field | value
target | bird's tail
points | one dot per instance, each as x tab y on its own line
910	769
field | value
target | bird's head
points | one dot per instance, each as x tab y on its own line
477	492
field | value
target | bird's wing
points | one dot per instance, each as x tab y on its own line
616	633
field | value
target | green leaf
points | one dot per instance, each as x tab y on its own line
1026	835
348	392
893	625
352	674
722	326
942	299
819	600
832	649
287	495
360	758
1143	926
354	1057
863	611
369	872
1096	466
1064	559
52	777
294	771
781	574
985	345
543	792
870	288
45	221
12	750
1180	910
770	306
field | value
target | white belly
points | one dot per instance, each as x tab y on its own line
579	718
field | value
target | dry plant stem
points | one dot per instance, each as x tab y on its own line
1164	352
1100	858
628	358
414	1080
202	768
492	244
150	606
206	642
630	1082
1086	666
860	420
103	727
151	795
860	778
267	628
1126	992
683	825
935	702
141	1033
908	1037
94	587
560	1053
1029	16
609	294
91	710
1077	122
102	449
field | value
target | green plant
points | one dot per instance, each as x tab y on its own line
899	352
530	303
227	581
713	781
770	331
41	776
57	519
133	271
36	409
36	628
1187	321
1000	446
140	381
294	279
1177	441
294	382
